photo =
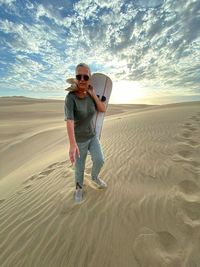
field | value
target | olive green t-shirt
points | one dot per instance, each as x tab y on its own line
81	110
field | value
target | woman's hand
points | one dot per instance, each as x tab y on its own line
91	91
73	152
100	105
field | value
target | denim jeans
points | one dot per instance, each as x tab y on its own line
94	147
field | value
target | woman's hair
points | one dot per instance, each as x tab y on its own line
83	65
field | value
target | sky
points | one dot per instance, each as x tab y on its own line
149	48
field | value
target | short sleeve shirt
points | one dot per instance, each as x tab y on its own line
81	111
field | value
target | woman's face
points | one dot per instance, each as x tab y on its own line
83	78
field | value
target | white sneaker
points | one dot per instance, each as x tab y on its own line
99	182
78	195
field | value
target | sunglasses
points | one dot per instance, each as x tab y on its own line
85	77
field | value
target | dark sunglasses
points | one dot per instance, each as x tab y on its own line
85	77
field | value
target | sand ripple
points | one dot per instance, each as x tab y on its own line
148	216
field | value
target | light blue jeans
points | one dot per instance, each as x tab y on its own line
94	147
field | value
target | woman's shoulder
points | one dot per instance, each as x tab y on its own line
71	95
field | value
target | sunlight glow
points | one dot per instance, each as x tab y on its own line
126	92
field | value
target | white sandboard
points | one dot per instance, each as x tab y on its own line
103	88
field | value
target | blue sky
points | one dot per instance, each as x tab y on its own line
150	49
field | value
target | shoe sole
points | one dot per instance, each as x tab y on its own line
77	200
99	186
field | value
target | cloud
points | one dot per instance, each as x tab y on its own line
156	43
7	2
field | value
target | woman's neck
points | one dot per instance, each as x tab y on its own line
81	93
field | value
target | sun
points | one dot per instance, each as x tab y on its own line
126	92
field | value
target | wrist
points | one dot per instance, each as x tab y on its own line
72	144
95	96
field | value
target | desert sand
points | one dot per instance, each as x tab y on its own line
148	216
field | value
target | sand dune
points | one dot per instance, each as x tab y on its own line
148	216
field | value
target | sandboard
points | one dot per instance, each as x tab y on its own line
103	88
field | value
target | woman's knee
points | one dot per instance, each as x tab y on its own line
99	161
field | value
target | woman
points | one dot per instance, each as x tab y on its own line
80	107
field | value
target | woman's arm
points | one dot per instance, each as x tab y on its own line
73	151
70	131
100	105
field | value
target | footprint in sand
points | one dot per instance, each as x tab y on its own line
41	176
187	124
186	134
63	163
188	187
158	248
186	203
188	144
50	169
27	186
185	153
28	183
192	129
189	127
193	142
194	163
56	165
46	172
52	165
195	118
32	178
